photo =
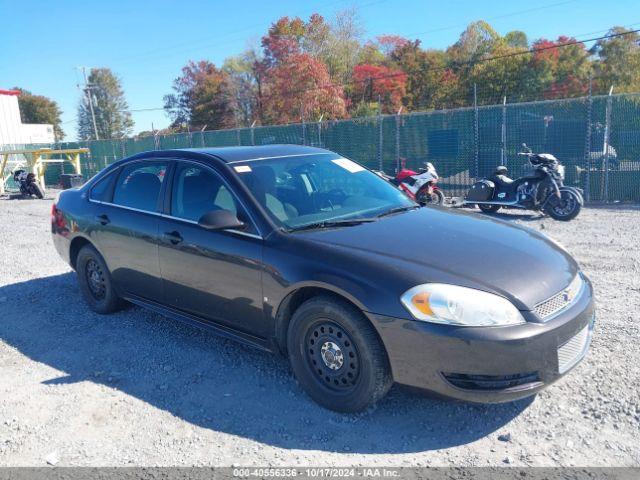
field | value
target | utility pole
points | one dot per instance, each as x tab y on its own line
87	91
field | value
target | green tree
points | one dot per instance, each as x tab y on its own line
618	62
244	81
430	82
113	119
517	39
40	109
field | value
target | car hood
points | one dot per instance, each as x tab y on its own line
450	246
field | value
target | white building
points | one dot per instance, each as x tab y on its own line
13	132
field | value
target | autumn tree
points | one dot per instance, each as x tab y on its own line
293	84
40	109
560	69
618	63
203	97
371	82
113	119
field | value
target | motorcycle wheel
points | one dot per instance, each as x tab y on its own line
565	208
37	190
435	198
488	208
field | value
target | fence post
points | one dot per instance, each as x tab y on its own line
320	130
238	136
503	152
398	119
379	136
476	136
587	146
607	135
253	142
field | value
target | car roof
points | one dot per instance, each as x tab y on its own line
240	154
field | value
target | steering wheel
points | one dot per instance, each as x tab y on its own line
330	198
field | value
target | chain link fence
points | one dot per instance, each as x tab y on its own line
597	138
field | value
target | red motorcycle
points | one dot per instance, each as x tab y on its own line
419	186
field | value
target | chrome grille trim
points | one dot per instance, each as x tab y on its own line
562	300
573	350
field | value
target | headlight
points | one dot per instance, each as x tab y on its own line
454	305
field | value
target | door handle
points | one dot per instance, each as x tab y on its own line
103	219
174	237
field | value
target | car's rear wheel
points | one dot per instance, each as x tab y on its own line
95	282
337	356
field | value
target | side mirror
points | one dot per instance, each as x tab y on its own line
220	220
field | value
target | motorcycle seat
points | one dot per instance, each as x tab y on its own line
503	179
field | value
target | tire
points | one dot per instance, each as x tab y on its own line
488	208
337	356
565	208
95	282
37	190
436	197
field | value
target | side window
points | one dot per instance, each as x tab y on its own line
197	190
102	188
138	185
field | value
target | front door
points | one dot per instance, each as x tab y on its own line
216	275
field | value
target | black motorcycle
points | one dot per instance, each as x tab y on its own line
28	184
543	190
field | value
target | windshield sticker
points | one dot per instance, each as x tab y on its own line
348	165
242	168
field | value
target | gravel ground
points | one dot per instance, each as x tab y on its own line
134	388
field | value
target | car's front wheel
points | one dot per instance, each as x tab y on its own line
95	282
337	356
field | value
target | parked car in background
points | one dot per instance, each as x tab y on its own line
299	250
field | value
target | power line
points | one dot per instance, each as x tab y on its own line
472	62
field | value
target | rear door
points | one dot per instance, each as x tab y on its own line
126	227
216	275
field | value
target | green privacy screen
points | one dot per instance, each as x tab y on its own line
596	138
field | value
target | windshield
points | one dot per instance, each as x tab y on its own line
301	191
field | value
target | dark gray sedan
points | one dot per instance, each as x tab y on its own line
302	251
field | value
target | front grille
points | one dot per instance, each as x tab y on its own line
573	350
561	300
491	382
551	306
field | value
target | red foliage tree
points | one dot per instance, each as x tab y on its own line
378	80
560	72
389	43
294	85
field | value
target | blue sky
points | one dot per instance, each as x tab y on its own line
146	43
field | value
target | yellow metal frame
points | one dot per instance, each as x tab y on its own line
37	161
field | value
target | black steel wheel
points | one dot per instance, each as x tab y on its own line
332	355
337	356
95	279
95	282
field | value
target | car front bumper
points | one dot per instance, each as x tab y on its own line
488	364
